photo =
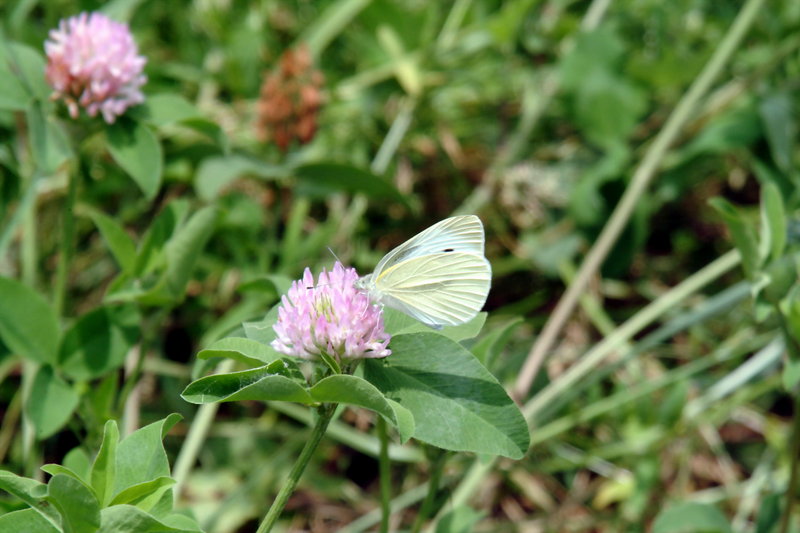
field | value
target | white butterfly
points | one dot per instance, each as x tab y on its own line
439	277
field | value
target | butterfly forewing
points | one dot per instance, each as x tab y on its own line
438	289
454	234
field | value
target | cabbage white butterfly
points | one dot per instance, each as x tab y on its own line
439	277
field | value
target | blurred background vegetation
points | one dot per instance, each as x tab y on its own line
532	114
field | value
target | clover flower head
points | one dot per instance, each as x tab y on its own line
330	317
290	100
93	62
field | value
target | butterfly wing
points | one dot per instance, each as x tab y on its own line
454	234
437	289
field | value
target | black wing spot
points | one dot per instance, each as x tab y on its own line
448	250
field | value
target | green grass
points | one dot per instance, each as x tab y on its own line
634	165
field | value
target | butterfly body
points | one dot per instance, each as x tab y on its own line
439	277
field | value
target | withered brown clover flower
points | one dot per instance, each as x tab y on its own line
290	98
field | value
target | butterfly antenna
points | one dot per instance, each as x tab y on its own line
333	254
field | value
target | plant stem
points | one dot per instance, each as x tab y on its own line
29	445
451	24
385	475
474	478
129	396
621	335
196	437
394	137
645	172
65	246
28	253
325	413
128	399
794	442
292	245
437	467
28	267
9	424
333	21
537	96
403	501
27	203
794	450
740	344
386	152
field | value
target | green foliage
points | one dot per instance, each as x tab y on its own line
780	126
460	520
51	402
457	404
119	243
322	179
128	489
250	352
606	105
691	518
13	94
98	341
28	324
27	520
742	233
216	172
409	394
137	150
25	68
48	139
137	258
165	257
768	514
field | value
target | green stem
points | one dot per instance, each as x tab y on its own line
385	475
394	137
537	95
29	445
325	413
331	22
9	424
403	501
451	24
791	489
386	152
743	342
625	332
196	437
794	442
29	262
28	254
590	303
129	399
350	437
474	478
127	403
65	246
292	246
437	467
26	204
644	174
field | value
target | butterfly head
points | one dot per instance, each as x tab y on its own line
367	284
364	283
